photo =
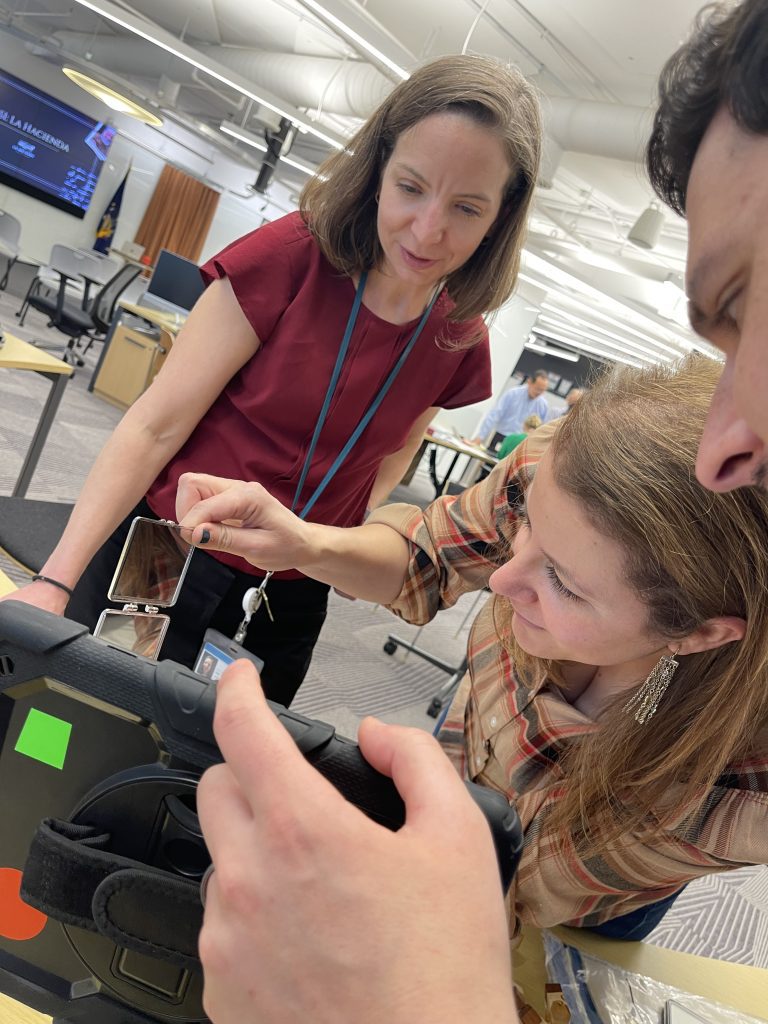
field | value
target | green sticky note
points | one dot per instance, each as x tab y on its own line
45	738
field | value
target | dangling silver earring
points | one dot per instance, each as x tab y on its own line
646	699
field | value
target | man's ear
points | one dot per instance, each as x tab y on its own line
714	633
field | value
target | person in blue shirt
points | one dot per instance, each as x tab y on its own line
570	400
515	406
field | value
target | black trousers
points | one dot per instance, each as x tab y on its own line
211	596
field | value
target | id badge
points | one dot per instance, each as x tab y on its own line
218	651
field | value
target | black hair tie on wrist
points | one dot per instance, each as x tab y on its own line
54	583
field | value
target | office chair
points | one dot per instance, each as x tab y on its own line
104	305
10	232
71	318
47	281
456	672
30	530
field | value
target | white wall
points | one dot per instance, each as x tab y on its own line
508	335
146	150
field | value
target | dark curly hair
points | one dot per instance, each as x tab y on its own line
725	62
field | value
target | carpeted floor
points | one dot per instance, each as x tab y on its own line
724	917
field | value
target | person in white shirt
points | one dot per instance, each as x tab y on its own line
514	406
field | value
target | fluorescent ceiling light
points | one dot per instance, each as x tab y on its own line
346	30
577	288
166	41
591	314
298	164
673	304
582	346
242	135
113	99
597	334
547	350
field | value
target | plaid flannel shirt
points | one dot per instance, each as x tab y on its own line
508	733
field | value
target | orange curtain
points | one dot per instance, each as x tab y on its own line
178	216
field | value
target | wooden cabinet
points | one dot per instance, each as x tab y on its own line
130	364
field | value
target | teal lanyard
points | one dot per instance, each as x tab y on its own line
370	412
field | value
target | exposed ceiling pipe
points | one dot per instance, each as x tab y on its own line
348	88
354	89
609	130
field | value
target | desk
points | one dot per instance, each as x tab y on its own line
16	354
132	259
172	322
458	447
132	356
735	985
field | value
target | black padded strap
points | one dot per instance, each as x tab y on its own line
72	876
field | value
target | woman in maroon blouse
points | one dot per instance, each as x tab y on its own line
403	241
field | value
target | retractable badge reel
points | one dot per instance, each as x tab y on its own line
149	574
219	650
252	601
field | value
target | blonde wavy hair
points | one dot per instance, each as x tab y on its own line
626	454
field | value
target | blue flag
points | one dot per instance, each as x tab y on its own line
106	230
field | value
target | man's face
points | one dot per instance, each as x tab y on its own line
727	210
537	387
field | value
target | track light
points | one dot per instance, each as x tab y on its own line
646	230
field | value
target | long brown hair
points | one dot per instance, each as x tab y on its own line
339	203
626	453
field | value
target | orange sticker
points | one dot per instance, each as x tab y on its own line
18	920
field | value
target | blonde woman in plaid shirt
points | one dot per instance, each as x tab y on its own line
619	559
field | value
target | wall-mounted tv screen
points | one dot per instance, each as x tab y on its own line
47	149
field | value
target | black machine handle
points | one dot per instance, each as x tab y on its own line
180	703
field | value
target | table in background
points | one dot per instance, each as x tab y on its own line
16	354
132	259
132	356
438	439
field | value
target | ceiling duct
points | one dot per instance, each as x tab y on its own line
349	88
346	88
609	130
354	89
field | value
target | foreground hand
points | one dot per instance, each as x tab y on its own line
242	518
315	913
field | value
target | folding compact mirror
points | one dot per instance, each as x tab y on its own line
150	572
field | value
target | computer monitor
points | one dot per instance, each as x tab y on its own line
176	284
